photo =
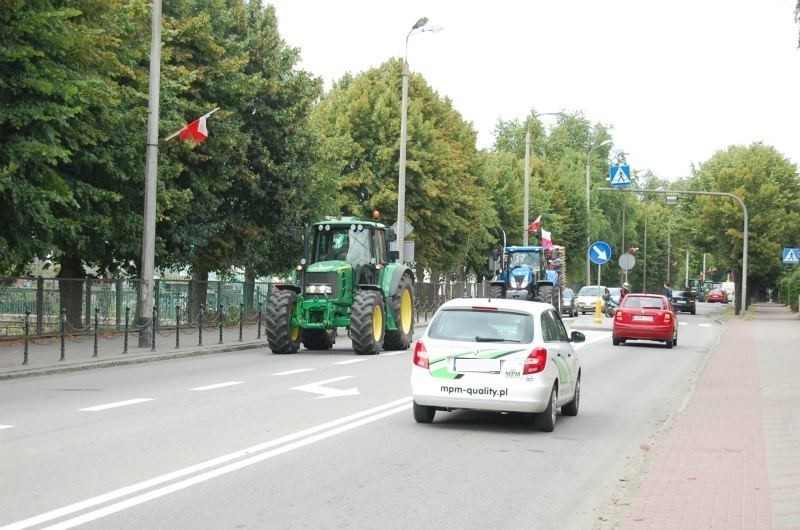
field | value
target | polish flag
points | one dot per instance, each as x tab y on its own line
196	130
535	225
547	242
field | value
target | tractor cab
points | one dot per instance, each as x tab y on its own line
525	275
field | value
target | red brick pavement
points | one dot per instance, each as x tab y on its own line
732	458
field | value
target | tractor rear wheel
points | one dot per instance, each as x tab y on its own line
317	339
495	291
367	322
402	307
544	294
281	335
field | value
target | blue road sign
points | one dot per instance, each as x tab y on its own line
791	256
599	252
620	176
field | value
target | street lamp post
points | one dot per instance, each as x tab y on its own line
527	184
589	208
419	26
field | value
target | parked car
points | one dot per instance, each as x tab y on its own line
589	294
717	296
645	317
496	355
568	302
684	301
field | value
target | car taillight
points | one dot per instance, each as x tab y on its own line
618	315
421	355
667	317
535	361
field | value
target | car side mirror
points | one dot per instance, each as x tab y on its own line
577	336
390	235
606	297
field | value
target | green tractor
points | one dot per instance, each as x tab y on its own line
345	280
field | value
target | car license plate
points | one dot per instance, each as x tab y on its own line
468	364
643	318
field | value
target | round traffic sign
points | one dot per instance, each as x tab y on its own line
599	252
627	261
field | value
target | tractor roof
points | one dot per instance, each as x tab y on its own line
523	249
347	221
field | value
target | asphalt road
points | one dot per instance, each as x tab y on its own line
327	440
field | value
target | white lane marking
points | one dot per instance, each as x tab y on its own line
6	427
117	404
298	371
351	361
327	392
389	354
704	325
347	422
589	341
683	323
218	385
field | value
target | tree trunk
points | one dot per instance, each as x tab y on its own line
70	290
199	289
249	290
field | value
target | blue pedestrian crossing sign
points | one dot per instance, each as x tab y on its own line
599	252
620	176
791	256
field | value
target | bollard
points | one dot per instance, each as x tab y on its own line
177	326
96	319
153	328
598	310
259	321
27	334
241	320
221	317
200	329
63	331
127	323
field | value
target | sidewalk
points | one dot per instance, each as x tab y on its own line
731	457
44	355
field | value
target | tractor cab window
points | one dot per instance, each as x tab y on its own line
345	243
379	244
522	259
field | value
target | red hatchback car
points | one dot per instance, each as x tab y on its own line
645	317
717	295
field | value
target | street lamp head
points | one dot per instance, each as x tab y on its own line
421	22
604	142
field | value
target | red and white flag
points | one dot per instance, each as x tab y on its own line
547	241
196	130
535	225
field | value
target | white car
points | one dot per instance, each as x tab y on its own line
497	355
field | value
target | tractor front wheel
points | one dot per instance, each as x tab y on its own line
495	291
281	335
402	308
367	322
544	294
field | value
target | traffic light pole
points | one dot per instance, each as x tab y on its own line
743	304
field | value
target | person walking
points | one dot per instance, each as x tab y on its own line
667	291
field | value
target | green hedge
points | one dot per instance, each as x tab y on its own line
790	288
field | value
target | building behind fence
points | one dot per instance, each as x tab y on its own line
178	302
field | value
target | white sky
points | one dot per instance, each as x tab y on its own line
677	81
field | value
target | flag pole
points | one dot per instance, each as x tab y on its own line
176	133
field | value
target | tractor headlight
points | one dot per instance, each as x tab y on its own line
319	288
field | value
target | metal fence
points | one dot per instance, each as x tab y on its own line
83	304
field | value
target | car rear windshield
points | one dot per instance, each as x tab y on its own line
589	291
471	325
683	294
645	302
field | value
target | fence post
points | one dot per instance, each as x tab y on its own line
200	329
177	326
118	287
96	321
241	320
27	333
259	321
221	317
39	305
63	330
127	323
153	327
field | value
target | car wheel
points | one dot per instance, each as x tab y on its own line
424	413
571	408
693	312
615	341
546	421
669	343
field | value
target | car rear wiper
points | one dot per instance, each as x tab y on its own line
493	339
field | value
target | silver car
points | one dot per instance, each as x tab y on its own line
497	355
588	296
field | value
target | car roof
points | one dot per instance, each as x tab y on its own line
496	303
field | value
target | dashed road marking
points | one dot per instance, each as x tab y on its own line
6	427
351	361
115	405
298	371
218	385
